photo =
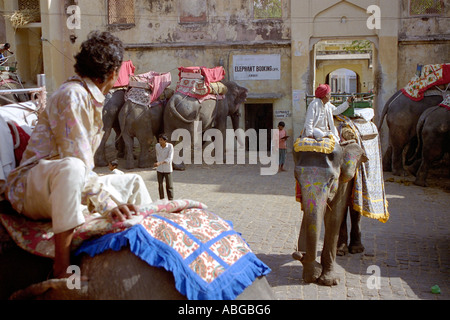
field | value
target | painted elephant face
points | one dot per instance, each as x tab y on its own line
352	158
318	186
318	176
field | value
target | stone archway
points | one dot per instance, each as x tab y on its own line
342	20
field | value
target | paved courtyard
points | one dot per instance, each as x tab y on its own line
410	251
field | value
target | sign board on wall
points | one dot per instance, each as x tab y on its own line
282	114
257	67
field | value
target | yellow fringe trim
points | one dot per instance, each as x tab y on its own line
307	144
382	217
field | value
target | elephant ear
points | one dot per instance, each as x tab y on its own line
352	158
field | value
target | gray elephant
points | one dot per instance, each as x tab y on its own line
110	275
110	115
183	111
326	182
144	123
433	132
402	114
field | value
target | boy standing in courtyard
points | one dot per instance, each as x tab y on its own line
164	158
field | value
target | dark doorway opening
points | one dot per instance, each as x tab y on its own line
259	116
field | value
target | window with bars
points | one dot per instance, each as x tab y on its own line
121	12
267	9
424	7
31	8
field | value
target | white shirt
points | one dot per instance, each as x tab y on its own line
165	157
320	116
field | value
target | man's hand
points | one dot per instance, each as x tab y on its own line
122	212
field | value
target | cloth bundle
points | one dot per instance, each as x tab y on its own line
146	88
201	82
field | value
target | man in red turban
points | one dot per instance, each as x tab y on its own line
322	91
319	121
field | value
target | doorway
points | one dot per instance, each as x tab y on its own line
259	116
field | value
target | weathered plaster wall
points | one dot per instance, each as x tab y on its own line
423	39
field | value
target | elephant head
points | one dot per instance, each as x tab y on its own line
236	96
323	180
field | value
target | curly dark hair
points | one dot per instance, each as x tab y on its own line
99	55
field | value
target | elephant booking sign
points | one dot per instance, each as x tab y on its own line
257	67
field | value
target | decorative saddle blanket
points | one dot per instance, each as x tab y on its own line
201	83
308	144
431	75
208	258
153	85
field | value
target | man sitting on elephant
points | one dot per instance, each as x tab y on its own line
319	116
55	178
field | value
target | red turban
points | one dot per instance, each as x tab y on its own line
322	91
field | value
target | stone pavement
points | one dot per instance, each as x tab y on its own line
410	251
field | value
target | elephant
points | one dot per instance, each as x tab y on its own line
144	123
402	114
110	115
326	182
183	111
433	132
111	275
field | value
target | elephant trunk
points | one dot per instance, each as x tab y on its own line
316	190
235	123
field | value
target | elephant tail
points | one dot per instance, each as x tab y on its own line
386	108
173	103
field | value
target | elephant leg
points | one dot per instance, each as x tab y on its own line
311	268
119	144
333	221
100	156
397	156
342	248
355	245
387	159
421	177
129	157
144	155
334	216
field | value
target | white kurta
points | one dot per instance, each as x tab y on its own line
319	119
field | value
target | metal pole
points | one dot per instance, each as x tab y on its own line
41	80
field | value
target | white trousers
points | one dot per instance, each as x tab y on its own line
54	188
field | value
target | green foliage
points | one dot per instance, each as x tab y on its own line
359	46
267	9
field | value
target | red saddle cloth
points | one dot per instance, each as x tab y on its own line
23	138
126	70
210	75
431	75
196	86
